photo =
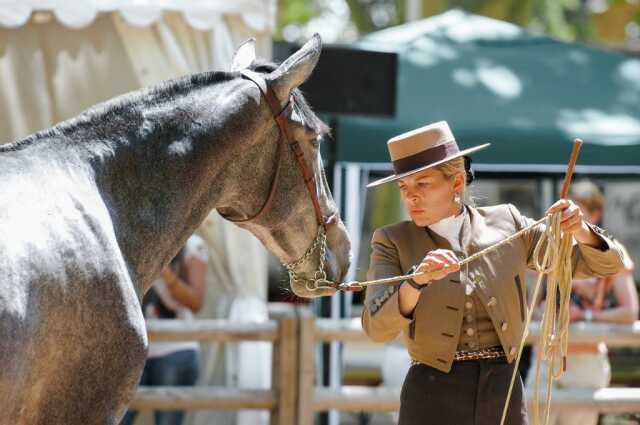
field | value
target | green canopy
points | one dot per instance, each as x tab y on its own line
527	94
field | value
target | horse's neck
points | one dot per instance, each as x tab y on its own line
157	189
162	167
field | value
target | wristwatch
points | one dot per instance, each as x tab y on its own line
588	315
414	284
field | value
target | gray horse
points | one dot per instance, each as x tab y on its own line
91	209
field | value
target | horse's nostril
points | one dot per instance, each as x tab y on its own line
332	219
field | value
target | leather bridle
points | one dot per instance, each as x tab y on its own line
281	116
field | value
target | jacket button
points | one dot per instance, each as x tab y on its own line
470	331
468	305
492	302
504	326
469	318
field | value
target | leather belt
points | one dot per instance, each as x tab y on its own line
485	353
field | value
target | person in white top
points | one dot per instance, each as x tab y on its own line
176	294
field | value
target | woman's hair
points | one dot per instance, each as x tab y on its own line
588	193
459	165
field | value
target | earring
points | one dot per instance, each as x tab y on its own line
456	198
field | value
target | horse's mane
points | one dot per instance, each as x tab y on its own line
149	96
158	94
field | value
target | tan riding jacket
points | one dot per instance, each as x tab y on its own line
432	334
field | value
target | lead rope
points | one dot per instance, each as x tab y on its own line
554	331
482	253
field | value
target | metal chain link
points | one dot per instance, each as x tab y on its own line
320	276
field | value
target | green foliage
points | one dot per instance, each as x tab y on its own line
569	20
372	15
295	11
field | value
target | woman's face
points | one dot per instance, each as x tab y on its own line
428	195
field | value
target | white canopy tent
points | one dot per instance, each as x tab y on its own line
59	57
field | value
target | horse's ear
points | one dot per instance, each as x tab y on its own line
244	56
296	68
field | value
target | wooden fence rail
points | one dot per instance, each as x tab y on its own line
384	399
281	399
294	397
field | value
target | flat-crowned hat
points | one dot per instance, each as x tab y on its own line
423	148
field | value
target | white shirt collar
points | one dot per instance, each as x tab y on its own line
449	228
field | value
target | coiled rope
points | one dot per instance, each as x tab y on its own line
554	333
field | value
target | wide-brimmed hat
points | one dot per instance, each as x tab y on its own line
423	148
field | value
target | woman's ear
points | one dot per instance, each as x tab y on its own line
458	182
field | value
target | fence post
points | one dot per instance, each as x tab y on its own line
284	381
306	364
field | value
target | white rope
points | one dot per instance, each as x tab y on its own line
467	260
556	264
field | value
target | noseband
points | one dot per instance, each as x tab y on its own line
281	116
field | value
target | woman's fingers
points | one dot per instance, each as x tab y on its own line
569	214
559	205
432	263
452	259
572	224
448	257
571	219
439	263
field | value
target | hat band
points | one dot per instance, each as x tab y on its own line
425	158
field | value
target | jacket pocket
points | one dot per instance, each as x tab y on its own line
520	296
412	329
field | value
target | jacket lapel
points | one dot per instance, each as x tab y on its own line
466	232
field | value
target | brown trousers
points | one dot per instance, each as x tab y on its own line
472	393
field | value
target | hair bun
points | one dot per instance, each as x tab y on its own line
468	170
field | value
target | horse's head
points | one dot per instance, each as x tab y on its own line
292	214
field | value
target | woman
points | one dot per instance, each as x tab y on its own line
176	294
462	327
613	299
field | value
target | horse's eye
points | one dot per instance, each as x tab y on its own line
316	142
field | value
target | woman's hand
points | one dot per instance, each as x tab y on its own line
572	221
436	265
